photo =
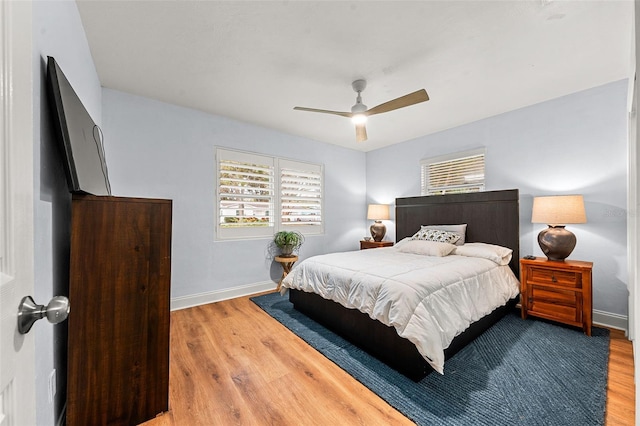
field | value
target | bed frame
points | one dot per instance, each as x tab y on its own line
491	217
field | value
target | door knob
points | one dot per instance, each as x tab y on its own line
29	312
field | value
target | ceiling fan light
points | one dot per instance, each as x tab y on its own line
359	118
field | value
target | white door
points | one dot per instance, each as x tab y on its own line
17	358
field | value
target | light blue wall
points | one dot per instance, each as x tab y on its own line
57	32
576	144
159	150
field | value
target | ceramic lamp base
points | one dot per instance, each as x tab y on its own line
556	242
378	230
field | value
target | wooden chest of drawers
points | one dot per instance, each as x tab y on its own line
558	291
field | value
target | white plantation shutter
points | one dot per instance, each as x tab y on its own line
300	196
245	194
258	195
455	173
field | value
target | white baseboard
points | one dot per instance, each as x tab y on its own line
611	320
219	295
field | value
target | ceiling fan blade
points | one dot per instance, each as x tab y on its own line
343	114
401	102
361	133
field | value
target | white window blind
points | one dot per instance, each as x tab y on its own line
246	194
300	194
258	195
455	173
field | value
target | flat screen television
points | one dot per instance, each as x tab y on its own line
78	136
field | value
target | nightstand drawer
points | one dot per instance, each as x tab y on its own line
564	305
555	277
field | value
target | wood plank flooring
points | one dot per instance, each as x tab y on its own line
232	364
620	409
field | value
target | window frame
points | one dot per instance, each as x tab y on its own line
275	219
425	164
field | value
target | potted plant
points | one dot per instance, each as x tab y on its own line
288	242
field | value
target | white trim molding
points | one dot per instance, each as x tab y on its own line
184	302
611	320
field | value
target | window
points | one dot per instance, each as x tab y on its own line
453	173
246	194
300	195
259	195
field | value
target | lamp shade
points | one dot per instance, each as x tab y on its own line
558	210
378	212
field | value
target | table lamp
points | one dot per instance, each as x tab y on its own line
378	213
556	242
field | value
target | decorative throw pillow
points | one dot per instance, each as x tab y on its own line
458	229
436	235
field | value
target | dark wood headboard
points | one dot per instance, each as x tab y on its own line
491	217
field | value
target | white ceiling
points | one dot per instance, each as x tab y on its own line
255	60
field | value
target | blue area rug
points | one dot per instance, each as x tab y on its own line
516	373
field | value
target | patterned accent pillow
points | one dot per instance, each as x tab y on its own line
436	235
458	229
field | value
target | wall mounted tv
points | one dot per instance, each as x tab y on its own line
78	135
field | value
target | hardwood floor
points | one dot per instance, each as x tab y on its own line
232	364
620	409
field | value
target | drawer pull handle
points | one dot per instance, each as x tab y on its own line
553	278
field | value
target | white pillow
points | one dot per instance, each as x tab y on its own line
436	235
427	248
458	229
402	242
498	254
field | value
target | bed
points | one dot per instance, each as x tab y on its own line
492	218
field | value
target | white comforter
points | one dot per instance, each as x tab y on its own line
429	300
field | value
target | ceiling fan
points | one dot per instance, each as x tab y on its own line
359	111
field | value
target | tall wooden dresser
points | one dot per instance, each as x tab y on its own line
120	275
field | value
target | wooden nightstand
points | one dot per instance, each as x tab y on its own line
558	291
374	244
